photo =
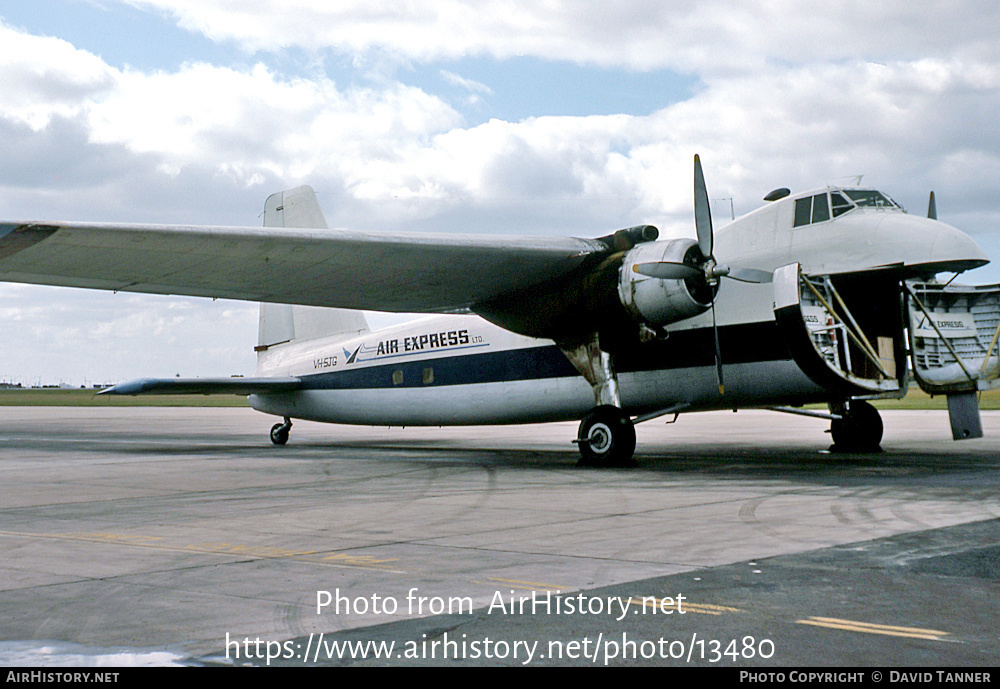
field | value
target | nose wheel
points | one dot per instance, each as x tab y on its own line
858	430
279	432
606	438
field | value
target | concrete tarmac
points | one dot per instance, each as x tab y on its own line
172	535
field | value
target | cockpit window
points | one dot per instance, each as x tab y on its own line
840	203
870	198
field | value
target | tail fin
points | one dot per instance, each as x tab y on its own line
280	323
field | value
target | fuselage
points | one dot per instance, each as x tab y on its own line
461	369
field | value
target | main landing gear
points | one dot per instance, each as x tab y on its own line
858	430
606	437
279	432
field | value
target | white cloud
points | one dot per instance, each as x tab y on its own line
394	153
255	120
639	34
54	335
47	77
467	84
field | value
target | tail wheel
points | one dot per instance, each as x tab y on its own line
859	429
606	437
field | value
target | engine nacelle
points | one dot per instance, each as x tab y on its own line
657	301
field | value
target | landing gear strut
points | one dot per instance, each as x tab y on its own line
606	437
859	429
279	432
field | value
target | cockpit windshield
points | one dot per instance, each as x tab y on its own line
870	198
836	202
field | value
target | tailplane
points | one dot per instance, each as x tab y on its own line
281	323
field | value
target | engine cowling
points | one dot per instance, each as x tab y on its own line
657	301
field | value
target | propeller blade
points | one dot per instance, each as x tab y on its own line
718	354
750	275
702	212
932	208
666	270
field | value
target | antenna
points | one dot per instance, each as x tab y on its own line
855	178
732	209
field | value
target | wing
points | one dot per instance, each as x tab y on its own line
404	272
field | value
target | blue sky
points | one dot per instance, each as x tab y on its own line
515	88
117	33
497	116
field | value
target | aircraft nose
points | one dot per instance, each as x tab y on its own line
952	246
929	246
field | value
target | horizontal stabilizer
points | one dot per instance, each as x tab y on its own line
204	386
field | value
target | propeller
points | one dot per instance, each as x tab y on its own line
668	270
932	208
702	211
704	267
706	242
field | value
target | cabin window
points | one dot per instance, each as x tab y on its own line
428	376
397	377
803	211
821	208
812	209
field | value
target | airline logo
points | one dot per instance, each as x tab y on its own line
949	323
405	346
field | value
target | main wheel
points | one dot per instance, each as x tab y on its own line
860	429
279	433
606	437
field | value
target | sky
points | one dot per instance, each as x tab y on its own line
563	117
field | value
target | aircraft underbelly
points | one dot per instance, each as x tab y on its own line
542	400
554	399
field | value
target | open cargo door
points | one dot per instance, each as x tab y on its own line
954	332
845	331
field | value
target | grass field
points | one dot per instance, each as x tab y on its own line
916	399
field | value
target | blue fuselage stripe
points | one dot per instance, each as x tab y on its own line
745	343
482	367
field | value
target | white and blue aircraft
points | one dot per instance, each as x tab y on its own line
821	296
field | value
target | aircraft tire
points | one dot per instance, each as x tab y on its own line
606	437
279	433
860	429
